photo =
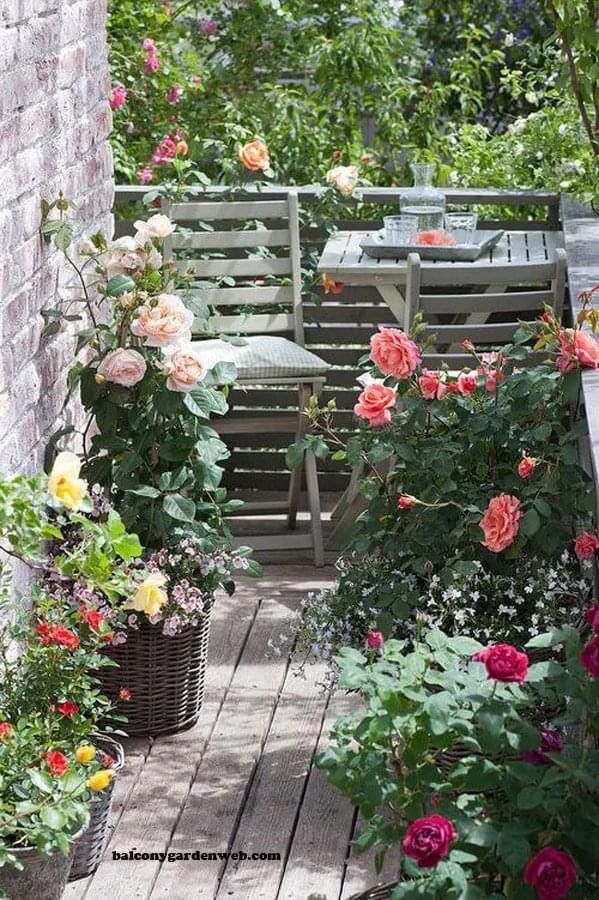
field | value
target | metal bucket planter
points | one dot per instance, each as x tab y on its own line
380	892
165	676
89	848
41	876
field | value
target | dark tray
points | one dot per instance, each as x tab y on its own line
374	245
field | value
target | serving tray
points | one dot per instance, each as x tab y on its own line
374	245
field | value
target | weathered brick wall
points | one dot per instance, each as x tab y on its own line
54	126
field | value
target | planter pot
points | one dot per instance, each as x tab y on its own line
165	676
380	892
88	849
41	876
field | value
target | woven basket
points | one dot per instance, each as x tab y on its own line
165	676
380	892
89	848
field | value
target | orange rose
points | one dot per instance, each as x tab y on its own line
501	522
394	353
254	156
330	286
375	403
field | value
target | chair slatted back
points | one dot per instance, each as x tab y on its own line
225	253
470	311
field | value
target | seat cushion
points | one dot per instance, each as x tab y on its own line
263	356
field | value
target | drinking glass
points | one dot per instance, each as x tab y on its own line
400	229
461	225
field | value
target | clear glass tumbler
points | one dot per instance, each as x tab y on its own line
461	225
400	230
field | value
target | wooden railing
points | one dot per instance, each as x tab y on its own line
338	327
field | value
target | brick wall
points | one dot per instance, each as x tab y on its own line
54	126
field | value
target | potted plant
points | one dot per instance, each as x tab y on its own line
514	813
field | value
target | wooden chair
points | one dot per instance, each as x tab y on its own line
474	309
272	353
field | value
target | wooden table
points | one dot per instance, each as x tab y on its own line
513	258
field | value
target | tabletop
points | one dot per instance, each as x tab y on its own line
518	253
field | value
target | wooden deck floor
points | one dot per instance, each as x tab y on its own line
243	779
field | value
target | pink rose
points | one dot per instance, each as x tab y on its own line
124	367
124	257
165	151
184	368
167	322
492	370
503	662
500	522
174	94
145	175
551	872
586	348
118	96
467	383
152	64
374	640
149	45
428	840
208	26
431	386
592	618
586	545
394	353
590	656
526	466
375	403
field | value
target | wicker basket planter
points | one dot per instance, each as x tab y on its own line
89	847
165	676
41	876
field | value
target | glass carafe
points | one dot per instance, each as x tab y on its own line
423	200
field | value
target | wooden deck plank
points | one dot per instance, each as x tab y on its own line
317	859
269	814
361	874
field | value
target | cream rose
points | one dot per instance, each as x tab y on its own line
64	483
167	322
124	367
150	596
344	178
157	227
184	368
254	156
124	257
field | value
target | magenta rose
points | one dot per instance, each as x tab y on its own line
503	662
551	742
428	840
592	618
551	872
590	657
374	640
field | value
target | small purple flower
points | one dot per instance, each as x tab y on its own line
551	742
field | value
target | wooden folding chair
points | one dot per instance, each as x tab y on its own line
272	352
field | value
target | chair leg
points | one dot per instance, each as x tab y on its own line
295	482
314	505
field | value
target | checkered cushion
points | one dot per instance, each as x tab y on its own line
263	356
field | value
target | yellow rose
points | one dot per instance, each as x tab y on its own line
64	483
100	780
85	754
149	597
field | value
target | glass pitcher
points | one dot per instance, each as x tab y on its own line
423	200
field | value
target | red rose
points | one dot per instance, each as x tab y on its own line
590	657
592	617
503	662
586	545
45	633
428	840
91	617
551	872
65	638
107	761
57	762
67	708
406	501
375	640
5	730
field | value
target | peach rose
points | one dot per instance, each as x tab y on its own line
184	368
586	348
124	367
254	156
431	385
375	403
167	322
330	286
157	228
394	353
501	522
344	178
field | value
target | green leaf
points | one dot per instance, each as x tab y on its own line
128	547
530	523
530	797
180	508
42	781
119	284
146	490
53	818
